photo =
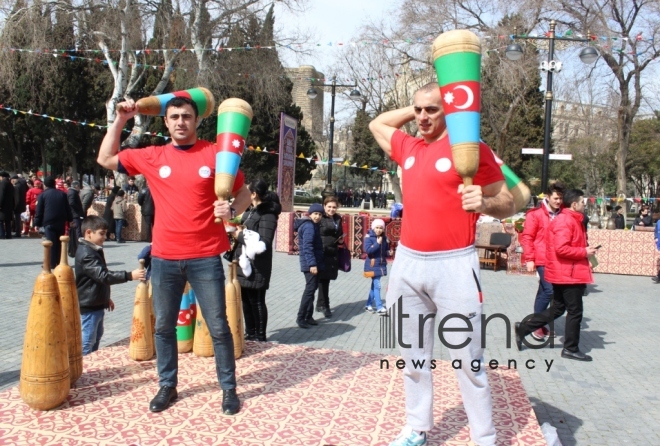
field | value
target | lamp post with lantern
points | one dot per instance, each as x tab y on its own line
514	52
312	93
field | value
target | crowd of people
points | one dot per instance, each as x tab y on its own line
350	198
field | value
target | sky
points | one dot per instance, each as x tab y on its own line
330	21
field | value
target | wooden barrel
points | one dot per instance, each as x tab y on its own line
66	282
45	379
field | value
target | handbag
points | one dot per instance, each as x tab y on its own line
344	259
370	274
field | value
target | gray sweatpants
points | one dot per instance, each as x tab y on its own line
440	284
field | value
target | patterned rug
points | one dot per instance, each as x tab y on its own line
292	395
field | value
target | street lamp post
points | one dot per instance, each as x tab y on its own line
514	52
355	95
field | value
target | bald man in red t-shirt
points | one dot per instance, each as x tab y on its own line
186	243
436	270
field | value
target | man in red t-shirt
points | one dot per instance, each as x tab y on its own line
186	242
436	269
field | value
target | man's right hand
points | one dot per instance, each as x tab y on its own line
530	267
314	270
126	110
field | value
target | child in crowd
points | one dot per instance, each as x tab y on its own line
93	280
311	261
375	264
119	207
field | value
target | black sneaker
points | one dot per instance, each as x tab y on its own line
327	313
302	324
655	279
518	337
311	321
163	399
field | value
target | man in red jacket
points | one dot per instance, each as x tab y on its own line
532	240
567	268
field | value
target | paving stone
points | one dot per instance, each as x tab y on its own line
610	401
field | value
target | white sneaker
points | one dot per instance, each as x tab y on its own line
408	437
383	312
369	309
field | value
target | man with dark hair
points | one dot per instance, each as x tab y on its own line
532	240
568	270
130	187
7	205
619	218
436	269
53	211
187	243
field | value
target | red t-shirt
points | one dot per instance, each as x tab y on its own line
433	216
182	185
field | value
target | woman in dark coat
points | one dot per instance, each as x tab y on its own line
107	213
332	235
261	217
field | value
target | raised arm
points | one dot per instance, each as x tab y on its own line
110	145
385	124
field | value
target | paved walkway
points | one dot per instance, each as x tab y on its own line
613	400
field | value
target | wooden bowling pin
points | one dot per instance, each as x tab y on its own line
71	312
457	61
234	119
45	378
141	347
233	310
184	324
239	302
155	105
202	342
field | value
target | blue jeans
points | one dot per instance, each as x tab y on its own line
374	294
119	224
207	278
92	330
544	293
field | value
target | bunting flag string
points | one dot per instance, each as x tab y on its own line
372	77
73	121
318	161
639	37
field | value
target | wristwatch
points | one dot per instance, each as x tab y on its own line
233	213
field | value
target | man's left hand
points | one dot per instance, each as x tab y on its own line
221	209
473	198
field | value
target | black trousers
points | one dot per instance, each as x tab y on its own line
323	300
255	312
18	224
148	223
53	233
5	227
307	301
567	298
